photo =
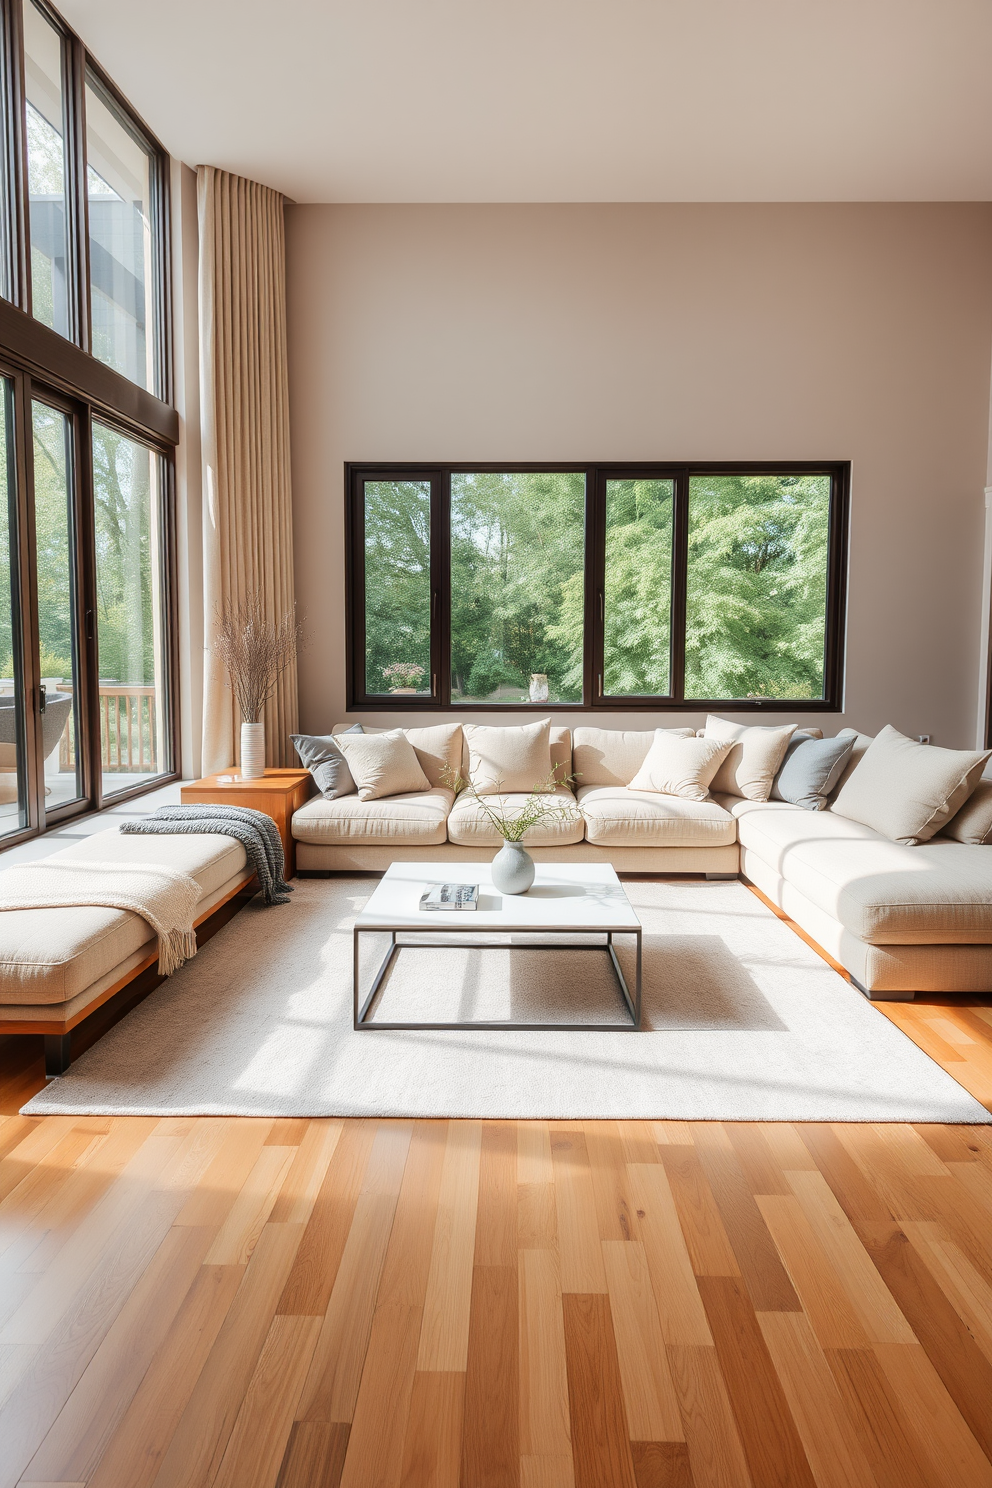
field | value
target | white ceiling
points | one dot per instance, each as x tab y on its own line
564	100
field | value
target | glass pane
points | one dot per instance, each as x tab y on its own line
757	586
517	589
129	566
638	590
46	169
13	799
118	185
56	602
398	586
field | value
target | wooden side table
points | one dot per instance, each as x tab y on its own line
278	793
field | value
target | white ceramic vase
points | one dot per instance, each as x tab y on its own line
252	751
513	869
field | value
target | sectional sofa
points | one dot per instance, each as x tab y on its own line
900	919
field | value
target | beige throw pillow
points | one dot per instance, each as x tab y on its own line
383	764
508	759
973	823
753	760
907	791
680	767
614	756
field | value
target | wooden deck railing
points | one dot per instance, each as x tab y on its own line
128	741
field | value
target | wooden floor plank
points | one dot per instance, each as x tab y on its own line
544	1410
769	1436
575	1207
649	1395
432	1449
682	1315
702	1225
314	1456
716	1455
608	1166
491	1435
193	1451
952	1454
448	1300
311	1281
382	1412
662	1464
258	1441
601	1456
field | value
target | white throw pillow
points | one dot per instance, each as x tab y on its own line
680	767
973	823
508	759
754	758
383	764
907	791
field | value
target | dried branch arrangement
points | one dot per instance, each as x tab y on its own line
255	651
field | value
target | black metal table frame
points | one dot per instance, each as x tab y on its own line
479	942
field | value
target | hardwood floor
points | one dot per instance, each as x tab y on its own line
246	1303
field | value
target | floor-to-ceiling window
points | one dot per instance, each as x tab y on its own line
87	434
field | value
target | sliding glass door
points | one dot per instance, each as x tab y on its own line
13	764
58	605
127	490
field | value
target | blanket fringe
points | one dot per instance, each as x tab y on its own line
175	948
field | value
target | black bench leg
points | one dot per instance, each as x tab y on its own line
57	1054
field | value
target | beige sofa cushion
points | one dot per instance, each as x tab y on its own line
907	791
468	825
618	817
383	764
861	742
680	767
418	818
438	748
754	759
973	823
613	756
50	955
508	760
887	893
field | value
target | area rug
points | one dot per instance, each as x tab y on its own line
742	1020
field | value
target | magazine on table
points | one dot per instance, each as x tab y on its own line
450	896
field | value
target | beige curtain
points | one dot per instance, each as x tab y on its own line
247	510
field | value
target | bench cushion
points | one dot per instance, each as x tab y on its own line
618	817
417	818
938	893
51	955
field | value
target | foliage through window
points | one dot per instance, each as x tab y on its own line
597	586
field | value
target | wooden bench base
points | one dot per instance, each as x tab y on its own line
57	1033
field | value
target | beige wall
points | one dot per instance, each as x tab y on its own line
667	333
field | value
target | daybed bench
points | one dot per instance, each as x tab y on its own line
57	966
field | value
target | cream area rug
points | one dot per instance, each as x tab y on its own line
742	1021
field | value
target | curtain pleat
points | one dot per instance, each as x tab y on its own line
247	521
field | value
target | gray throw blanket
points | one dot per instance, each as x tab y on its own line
257	833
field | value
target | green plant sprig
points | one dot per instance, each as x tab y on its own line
512	822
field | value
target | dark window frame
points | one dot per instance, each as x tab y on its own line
597	474
63	372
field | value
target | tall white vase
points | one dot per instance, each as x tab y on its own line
252	750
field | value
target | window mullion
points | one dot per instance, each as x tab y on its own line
680	566
441	587
595	580
77	269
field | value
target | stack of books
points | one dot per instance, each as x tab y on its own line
450	896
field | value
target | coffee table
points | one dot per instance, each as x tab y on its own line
581	899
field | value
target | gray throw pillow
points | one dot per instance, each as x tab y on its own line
810	770
321	756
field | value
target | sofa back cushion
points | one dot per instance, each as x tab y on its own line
383	764
680	767
973	823
511	759
438	749
614	756
752	763
810	770
907	791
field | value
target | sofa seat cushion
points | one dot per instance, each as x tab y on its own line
469	826
618	817
938	893
50	955
417	818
